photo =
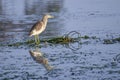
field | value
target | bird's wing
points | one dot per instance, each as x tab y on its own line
37	26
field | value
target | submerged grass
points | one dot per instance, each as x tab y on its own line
111	41
63	40
56	40
66	39
16	44
59	40
85	37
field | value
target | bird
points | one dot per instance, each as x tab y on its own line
39	27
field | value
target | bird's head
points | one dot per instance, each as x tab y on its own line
49	16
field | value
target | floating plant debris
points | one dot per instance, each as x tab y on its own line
111	41
70	37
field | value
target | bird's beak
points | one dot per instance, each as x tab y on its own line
51	16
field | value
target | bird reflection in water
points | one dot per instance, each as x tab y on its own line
39	58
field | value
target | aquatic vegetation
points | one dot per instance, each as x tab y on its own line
71	37
85	37
29	41
111	41
63	40
56	40
116	39
107	41
60	40
16	44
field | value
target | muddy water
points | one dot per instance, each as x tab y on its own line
90	61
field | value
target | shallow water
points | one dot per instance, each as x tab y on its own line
90	61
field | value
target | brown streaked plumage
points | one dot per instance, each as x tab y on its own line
39	27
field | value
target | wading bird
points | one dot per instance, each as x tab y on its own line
39	27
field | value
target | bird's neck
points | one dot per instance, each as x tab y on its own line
45	20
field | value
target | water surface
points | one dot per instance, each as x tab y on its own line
90	61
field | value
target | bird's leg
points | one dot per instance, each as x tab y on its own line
38	39
35	39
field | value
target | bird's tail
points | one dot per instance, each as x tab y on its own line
30	35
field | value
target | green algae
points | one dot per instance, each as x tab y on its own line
111	41
63	40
